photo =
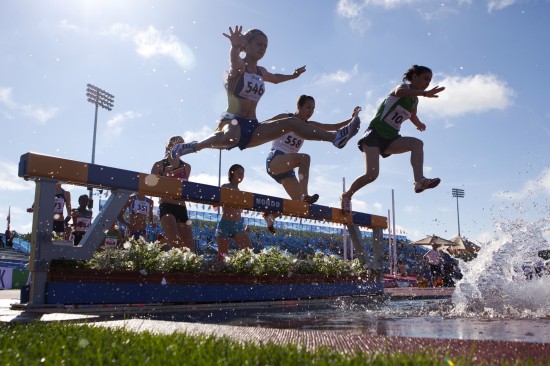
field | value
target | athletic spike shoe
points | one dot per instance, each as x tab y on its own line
311	199
345	203
426	183
183	149
344	134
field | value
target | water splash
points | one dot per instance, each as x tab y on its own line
494	284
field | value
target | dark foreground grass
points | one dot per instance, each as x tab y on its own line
68	344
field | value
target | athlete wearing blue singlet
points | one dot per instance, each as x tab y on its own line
231	224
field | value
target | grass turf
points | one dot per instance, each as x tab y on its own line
41	343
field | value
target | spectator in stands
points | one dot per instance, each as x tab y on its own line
9	239
434	260
449	269
141	210
82	219
231	224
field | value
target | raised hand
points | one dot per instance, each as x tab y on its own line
299	71
432	93
236	37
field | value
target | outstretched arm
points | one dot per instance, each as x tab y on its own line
335	126
279	116
236	38
279	78
405	91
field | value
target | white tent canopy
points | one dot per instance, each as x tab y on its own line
437	240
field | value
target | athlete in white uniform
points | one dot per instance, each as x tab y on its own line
285	157
141	210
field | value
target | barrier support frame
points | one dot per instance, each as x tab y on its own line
46	171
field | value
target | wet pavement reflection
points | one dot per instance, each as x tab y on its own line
369	316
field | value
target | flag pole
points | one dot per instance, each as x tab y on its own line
345	244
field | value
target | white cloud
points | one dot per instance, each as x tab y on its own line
356	11
478	93
41	114
6	98
340	76
410	209
116	124
499	4
122	30
153	42
353	11
540	185
203	133
66	25
9	179
349	9
204	179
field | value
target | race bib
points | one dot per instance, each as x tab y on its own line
291	143
253	87
111	242
58	205
397	116
82	224
141	207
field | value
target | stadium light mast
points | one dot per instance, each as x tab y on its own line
458	193
100	98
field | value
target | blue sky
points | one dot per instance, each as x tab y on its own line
164	62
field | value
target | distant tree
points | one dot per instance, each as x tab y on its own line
26	237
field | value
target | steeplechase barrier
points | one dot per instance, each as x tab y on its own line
46	171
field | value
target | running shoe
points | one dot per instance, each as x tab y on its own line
344	134
183	149
426	183
345	203
270	221
311	199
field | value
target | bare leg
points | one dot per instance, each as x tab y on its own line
243	240
228	136
292	187
185	235
223	245
295	187
269	131
170	226
416	147
372	160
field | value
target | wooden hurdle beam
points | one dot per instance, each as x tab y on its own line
47	170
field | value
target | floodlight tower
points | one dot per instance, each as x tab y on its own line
458	193
100	98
